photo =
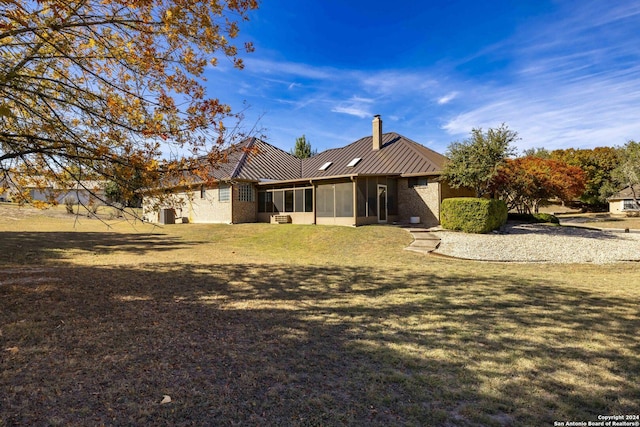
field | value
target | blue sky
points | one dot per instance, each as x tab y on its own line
560	73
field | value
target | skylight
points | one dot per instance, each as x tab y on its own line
354	162
325	166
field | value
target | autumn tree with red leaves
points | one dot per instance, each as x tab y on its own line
113	89
527	181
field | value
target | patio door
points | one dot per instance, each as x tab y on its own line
382	203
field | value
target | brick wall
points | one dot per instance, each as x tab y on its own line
243	211
422	201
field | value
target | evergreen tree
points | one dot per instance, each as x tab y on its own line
303	149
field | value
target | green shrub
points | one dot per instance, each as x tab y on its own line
535	218
473	215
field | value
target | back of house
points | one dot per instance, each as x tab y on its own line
380	178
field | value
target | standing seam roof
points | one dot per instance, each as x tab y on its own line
398	155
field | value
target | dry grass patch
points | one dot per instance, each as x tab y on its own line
617	222
287	325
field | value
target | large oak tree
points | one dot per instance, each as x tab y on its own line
113	89
474	162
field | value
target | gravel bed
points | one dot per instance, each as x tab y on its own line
542	243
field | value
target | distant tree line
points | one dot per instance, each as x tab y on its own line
488	163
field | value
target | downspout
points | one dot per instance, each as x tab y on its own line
439	198
354	181
313	192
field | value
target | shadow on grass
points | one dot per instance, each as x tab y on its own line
34	247
304	345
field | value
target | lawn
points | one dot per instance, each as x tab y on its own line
261	324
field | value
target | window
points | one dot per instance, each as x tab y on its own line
344	199
288	200
335	200
392	196
362	196
265	201
308	199
224	193
372	197
262	201
630	205
278	201
299	199
324	201
325	166
245	193
421	181
203	192
354	162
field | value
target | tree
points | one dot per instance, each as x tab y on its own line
627	174
541	152
475	162
597	164
303	149
527	181
113	88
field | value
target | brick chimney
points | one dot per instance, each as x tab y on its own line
377	132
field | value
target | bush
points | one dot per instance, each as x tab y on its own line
535	218
473	215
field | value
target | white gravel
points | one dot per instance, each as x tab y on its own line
542	243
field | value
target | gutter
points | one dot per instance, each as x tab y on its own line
304	180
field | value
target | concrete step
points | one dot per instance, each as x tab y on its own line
425	244
425	236
424	241
417	229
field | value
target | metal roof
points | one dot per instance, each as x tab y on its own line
262	161
256	160
398	155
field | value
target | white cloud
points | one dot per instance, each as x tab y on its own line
567	79
573	82
353	111
447	98
595	111
356	106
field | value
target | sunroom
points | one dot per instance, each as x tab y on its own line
352	200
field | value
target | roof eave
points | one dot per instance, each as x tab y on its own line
309	179
411	175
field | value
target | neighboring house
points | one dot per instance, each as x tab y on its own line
377	179
623	201
39	189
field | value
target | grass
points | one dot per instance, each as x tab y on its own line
261	324
605	220
617	222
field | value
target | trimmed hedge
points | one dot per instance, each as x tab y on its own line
535	218
473	215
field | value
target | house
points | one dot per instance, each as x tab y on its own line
384	177
36	188
623	201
